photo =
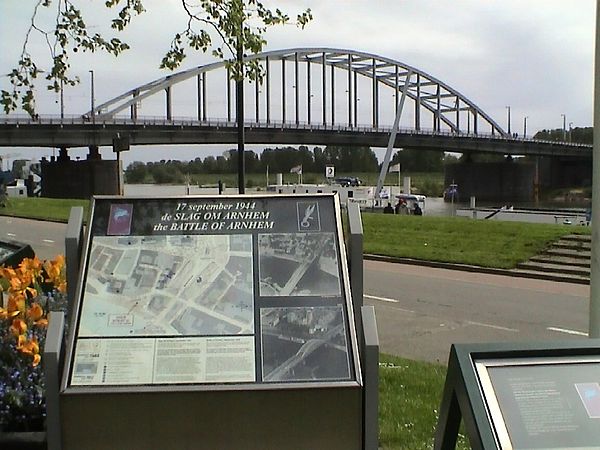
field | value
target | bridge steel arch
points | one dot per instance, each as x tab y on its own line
449	110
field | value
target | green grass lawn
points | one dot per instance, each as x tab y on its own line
55	209
459	240
410	393
444	239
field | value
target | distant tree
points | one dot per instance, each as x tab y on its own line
419	160
319	158
280	159
350	159
252	161
136	172
238	25
583	135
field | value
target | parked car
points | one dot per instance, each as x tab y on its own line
348	181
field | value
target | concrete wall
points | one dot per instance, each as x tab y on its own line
80	179
503	181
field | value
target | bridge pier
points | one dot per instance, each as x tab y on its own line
65	178
512	181
506	181
63	154
94	153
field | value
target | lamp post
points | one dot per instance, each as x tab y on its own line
239	84
508	109
92	98
564	118
594	322
570	131
525	126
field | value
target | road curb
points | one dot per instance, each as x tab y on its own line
476	269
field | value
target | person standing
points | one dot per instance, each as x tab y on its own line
417	211
2	195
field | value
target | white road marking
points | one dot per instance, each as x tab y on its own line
388	300
381	299
49	241
567	331
495	327
11	234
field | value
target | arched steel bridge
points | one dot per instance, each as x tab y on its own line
315	96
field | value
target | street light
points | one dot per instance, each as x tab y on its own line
525	126
564	118
570	131
92	98
508	109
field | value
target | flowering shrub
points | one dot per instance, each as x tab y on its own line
27	294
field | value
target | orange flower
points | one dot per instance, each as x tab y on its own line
41	323
5	314
31	348
21	340
16	302
55	271
35	312
31	266
18	327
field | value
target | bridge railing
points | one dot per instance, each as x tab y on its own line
22	119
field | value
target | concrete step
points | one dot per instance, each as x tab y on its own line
555	268
552	276
578	237
565	260
568	253
574	245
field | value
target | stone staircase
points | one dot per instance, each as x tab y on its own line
568	259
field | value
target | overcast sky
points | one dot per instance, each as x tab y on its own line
534	55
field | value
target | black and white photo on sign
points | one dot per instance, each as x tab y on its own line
298	264
169	285
304	343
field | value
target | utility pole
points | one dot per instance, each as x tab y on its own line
564	118
525	127
239	83
92	99
508	109
594	323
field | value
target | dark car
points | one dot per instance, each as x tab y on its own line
348	181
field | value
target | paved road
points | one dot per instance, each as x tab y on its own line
46	238
421	311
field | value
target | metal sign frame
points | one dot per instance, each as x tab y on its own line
469	393
350	321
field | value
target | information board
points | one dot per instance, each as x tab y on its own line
199	290
543	403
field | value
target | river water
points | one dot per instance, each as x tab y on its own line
434	206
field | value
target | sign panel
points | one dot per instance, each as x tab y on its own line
213	290
329	171
543	403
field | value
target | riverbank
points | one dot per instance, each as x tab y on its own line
456	240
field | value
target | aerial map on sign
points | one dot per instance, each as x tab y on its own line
169	285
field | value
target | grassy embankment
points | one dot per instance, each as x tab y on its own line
55	209
410	391
459	240
444	239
